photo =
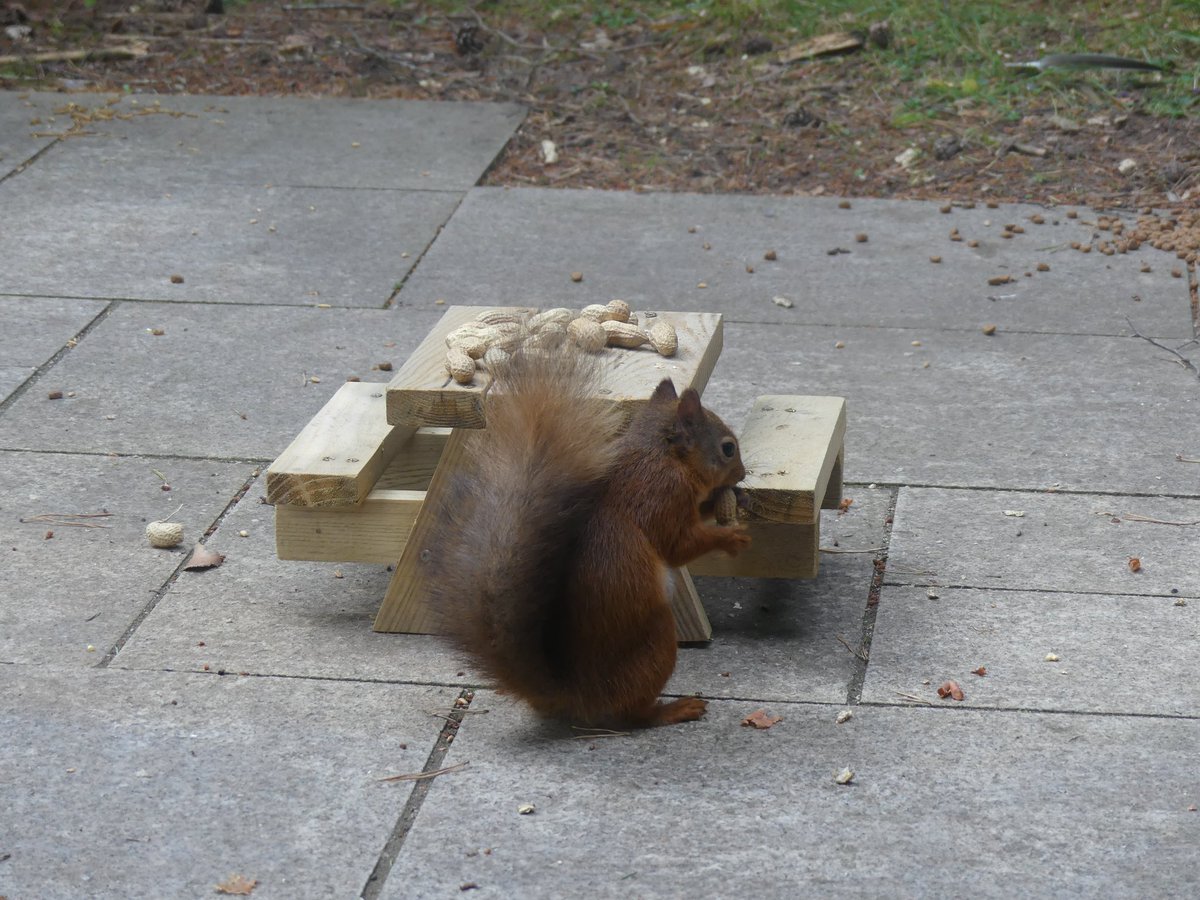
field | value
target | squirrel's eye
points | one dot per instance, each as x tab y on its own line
729	447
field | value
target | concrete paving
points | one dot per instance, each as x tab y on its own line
167	729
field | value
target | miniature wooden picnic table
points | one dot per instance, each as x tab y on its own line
354	485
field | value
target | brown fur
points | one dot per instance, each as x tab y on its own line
549	557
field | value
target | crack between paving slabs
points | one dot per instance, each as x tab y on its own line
390	302
174	576
1022	710
21	167
66	348
879	563
408	816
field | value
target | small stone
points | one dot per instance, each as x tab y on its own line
54	395
932	594
1051	657
526	809
844	777
1126	166
843	204
935	259
783	301
839	345
577	276
945	208
243	533
770	255
1043	267
989	329
861	238
843	717
176	279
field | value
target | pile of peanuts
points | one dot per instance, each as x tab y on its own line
488	341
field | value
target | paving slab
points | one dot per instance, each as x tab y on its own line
221	381
87	583
23	128
778	639
943	802
35	328
127	235
523	244
296	141
11	378
1116	654
1085	412
1063	542
155	785
261	615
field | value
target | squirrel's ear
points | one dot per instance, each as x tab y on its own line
690	411
665	391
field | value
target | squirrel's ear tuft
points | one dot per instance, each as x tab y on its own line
665	391
690	410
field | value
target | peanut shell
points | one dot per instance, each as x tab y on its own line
621	334
164	534
558	316
663	338
460	366
618	309
597	312
587	334
726	508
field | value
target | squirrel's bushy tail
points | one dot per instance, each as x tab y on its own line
498	557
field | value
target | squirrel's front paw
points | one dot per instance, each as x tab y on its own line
738	538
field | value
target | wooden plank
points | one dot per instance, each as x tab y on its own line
691	621
791	444
833	490
776	551
375	531
403	608
339	454
412	469
422	394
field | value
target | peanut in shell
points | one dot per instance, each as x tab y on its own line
622	334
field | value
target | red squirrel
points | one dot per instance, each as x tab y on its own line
549	560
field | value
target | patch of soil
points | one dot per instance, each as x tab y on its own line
647	106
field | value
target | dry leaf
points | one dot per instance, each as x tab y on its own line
982	670
844	504
237	884
203	558
1135	564
759	719
950	689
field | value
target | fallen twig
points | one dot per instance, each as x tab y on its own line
1134	517
597	733
860	653
1179	457
130	51
69	519
844	550
912	698
422	776
1183	360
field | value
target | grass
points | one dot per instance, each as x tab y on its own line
946	53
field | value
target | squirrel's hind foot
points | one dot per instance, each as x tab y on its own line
685	709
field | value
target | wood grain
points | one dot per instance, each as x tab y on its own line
422	393
339	454
790	445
